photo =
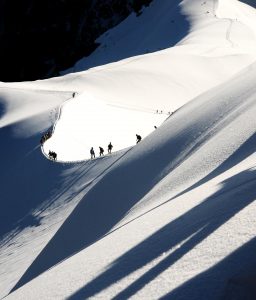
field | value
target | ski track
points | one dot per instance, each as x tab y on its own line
54	125
228	32
215	7
59	113
218	124
88	172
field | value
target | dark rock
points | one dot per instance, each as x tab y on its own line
39	38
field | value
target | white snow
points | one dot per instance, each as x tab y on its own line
172	217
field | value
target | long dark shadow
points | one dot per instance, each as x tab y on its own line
107	203
235	194
30	181
40	264
250	2
19	192
233	278
111	199
244	151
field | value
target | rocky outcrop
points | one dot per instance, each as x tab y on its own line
39	38
250	2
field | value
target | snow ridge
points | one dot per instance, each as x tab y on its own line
165	218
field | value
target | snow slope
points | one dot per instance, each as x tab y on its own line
189	213
159	219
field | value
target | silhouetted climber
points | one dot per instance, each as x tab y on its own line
110	146
155	127
73	95
48	134
52	155
138	138
92	153
45	137
101	151
42	140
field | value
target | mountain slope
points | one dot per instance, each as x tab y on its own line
173	223
218	45
210	25
202	158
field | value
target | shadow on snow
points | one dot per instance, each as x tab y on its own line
197	224
233	278
106	204
244	151
29	181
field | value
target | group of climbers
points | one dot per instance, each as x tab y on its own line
45	137
110	147
101	153
163	112
53	155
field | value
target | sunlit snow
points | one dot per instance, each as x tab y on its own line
90	122
172	217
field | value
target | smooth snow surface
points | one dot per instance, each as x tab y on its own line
172	217
88	122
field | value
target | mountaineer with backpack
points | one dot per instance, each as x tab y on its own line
110	146
101	151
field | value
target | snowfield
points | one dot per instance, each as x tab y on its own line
172	217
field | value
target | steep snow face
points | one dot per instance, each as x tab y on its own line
180	222
213	25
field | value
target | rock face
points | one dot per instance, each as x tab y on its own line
39	38
250	2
